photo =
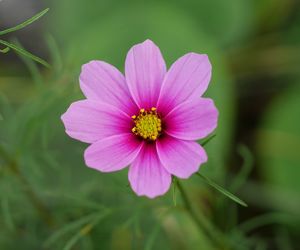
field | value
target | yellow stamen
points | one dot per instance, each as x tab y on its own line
147	124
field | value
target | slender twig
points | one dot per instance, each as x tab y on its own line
35	200
212	233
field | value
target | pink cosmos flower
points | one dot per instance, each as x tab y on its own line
148	119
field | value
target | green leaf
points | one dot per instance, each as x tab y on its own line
25	53
26	23
207	140
5	50
222	190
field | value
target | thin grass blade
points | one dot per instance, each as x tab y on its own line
26	23
222	190
203	143
25	53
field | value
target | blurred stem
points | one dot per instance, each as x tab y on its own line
212	233
34	199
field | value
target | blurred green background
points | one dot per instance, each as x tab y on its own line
50	200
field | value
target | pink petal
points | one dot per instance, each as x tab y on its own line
180	158
90	121
103	82
144	70
147	176
192	120
187	78
112	153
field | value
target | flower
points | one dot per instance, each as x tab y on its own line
148	119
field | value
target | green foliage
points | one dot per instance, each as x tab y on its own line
49	199
18	49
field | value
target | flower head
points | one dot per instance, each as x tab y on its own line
148	119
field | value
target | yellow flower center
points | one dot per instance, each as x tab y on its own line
147	124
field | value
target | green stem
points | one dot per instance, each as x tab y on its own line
215	237
35	200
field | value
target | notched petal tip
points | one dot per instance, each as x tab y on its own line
103	82
147	176
187	79
180	158
146	42
86	67
197	57
145	69
192	120
152	196
63	117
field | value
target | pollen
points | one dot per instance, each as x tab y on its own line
147	124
